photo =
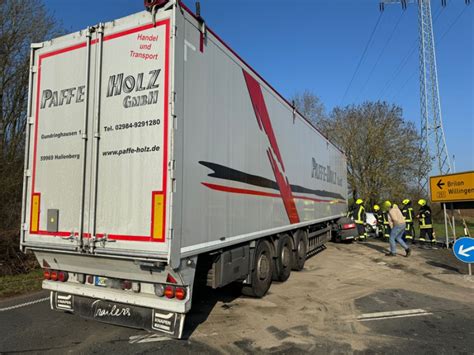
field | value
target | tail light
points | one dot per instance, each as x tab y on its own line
159	290
63	276
126	285
170	279
55	275
169	291
180	293
348	226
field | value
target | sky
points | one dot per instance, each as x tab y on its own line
317	45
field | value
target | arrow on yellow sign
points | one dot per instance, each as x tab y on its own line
440	184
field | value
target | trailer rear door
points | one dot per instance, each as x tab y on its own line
133	154
99	140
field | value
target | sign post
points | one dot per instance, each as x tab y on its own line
463	249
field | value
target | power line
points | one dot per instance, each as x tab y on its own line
380	55
363	56
453	23
405	60
397	71
399	91
404	84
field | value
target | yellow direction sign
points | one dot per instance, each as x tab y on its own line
453	187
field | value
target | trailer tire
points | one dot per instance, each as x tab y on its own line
301	248
262	270
283	261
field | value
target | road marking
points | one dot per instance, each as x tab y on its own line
24	304
392	314
148	338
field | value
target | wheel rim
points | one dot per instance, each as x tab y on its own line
285	256
263	267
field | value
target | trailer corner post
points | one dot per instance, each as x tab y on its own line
29	123
100	31
90	30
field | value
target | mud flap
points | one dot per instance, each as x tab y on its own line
126	315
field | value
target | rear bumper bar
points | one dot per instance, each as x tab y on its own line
170	323
103	293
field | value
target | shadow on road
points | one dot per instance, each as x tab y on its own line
204	301
378	247
443	266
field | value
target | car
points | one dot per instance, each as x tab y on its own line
345	230
372	227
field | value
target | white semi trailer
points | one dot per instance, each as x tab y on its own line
154	151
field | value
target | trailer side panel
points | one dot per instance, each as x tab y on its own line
251	164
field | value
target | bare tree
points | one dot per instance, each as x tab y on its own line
20	25
383	150
310	105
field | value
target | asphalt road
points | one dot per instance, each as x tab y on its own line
349	299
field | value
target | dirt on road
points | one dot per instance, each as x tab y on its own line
317	309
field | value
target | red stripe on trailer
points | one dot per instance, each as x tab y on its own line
263	118
43	56
237	190
201	42
285	190
261	112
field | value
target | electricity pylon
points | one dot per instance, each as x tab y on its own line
432	131
433	142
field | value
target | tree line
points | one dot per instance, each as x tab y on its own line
20	25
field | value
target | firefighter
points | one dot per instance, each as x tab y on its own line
386	224
379	217
359	218
407	212
426	226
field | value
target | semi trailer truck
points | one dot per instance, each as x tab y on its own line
155	155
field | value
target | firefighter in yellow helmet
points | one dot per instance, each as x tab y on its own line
360	218
408	213
426	224
379	217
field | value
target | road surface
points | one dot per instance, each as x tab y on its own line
350	298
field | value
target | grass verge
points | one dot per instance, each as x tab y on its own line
23	283
441	232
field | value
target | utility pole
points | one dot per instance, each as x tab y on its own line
433	140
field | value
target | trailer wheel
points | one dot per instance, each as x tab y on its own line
284	259
262	270
301	248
